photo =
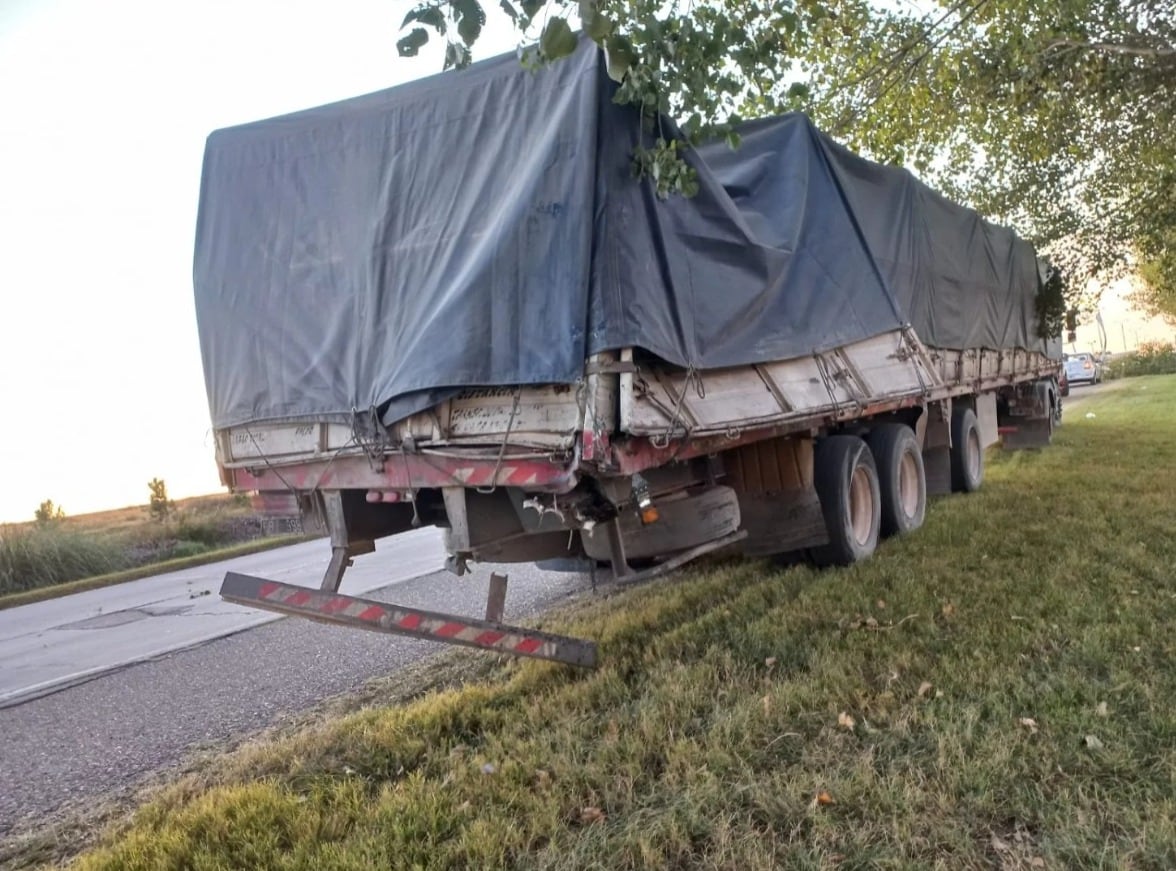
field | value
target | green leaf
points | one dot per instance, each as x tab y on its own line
431	16
620	56
470	19
456	55
557	40
595	23
469	29
408	46
598	27
798	91
531	7
508	7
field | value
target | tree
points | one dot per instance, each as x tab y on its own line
1054	118
160	506
1157	293
47	512
699	63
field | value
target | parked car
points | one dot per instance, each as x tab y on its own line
1082	368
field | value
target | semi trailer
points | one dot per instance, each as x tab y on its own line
453	303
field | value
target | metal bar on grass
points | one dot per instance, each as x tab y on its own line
368	614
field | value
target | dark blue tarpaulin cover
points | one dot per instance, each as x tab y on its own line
484	227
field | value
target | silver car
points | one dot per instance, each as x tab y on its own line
1083	369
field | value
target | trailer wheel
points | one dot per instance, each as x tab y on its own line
901	478
967	456
846	480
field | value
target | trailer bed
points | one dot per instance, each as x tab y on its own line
541	435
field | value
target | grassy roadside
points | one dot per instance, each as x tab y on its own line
1150	358
40	594
994	691
61	555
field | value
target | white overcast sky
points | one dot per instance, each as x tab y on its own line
104	108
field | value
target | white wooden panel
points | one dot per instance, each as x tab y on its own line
803	385
738	394
879	368
252	442
884	371
986	369
477	413
546	416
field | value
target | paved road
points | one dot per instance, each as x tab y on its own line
1079	393
59	642
101	736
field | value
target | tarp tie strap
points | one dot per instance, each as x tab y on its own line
514	410
910	346
699	390
416	515
823	368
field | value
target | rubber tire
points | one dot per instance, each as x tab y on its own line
835	461
963	426
889	443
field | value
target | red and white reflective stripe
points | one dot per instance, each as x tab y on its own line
410	471
367	614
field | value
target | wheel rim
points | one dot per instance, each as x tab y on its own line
908	484
861	505
973	454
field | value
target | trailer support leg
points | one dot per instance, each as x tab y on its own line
496	598
341	560
616	549
343	548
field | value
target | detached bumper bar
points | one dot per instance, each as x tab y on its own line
396	620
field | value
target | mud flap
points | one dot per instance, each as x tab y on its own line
686	522
1026	434
1027	420
781	522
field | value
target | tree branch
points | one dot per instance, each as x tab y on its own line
1112	48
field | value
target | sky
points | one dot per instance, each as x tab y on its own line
1125	327
104	109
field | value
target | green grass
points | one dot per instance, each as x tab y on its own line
43	560
1151	358
202	556
1009	672
41	556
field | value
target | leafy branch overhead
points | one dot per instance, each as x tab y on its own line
1055	118
695	63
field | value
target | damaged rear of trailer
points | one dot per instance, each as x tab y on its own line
451	303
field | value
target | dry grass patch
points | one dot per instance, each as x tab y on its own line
68	555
